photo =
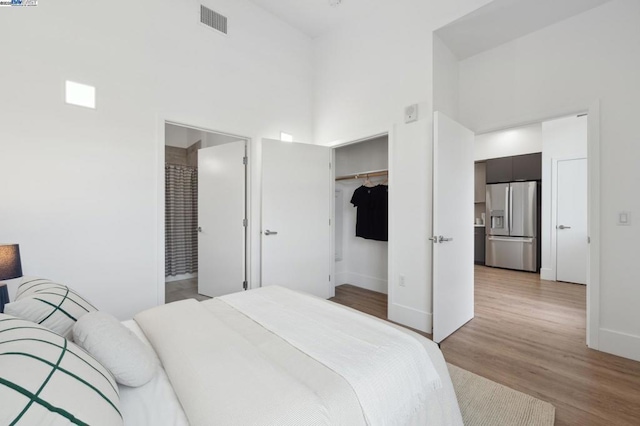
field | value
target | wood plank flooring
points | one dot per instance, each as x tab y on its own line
529	334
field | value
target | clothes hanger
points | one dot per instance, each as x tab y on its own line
368	183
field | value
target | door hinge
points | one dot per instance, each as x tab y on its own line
329	222
329	166
245	285
329	277
245	222
245	160
588	240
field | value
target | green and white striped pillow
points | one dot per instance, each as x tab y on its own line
52	305
47	380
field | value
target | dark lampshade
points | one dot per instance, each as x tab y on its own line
10	266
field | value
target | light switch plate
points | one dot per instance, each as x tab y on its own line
624	218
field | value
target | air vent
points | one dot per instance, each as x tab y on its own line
213	19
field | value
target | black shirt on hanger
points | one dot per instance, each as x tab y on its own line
372	217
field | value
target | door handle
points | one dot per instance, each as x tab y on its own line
444	240
564	227
267	232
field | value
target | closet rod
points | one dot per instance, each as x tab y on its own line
364	175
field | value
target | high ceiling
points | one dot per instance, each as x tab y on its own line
317	17
492	25
504	20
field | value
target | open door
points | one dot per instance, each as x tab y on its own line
221	219
453	175
296	212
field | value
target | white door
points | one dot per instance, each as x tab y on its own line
296	208
453	190
571	221
221	212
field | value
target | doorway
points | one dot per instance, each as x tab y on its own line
550	159
360	219
205	183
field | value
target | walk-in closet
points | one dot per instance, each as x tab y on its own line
361	214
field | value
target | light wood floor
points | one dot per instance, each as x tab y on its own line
529	335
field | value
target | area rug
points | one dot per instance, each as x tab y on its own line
486	403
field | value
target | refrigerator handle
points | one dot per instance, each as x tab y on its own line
507	210
510	208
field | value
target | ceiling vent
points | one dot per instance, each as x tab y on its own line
213	19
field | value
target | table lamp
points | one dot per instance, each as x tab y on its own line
10	268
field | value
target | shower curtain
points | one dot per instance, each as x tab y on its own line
181	220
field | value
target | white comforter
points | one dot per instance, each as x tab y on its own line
389	371
227	369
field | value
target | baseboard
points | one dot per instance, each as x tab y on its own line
621	344
364	281
341	278
547	274
411	317
171	279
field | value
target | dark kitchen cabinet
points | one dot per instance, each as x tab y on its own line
499	170
518	168
527	167
478	245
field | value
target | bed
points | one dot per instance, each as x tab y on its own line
274	356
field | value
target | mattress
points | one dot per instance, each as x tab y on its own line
158	402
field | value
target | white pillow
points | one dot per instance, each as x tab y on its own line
47	380
52	305
130	361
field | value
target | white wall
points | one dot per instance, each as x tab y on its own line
564	138
566	67
446	91
362	157
176	136
84	200
364	262
365	76
509	142
215	139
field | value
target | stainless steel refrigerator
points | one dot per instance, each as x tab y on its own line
512	226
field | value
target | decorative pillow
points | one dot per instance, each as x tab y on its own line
47	380
131	362
52	305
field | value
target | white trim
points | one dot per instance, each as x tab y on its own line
593	225
411	317
359	140
547	274
160	159
621	344
368	282
554	214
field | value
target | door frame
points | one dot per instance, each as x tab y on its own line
390	135
554	209
161	202
592	109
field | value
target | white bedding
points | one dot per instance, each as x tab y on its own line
389	371
233	383
154	404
